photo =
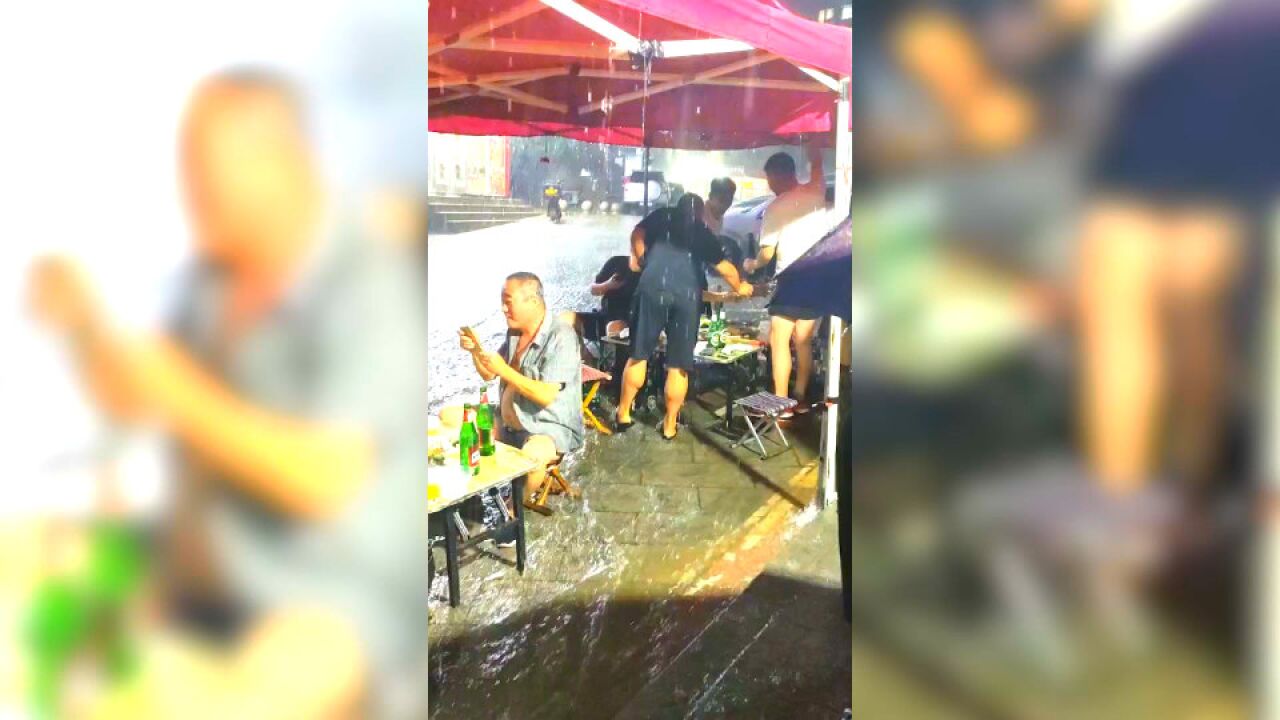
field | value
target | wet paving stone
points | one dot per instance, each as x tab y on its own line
643	499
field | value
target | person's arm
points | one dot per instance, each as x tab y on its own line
600	289
471	347
763	258
730	273
562	366
542	393
305	468
637	248
481	370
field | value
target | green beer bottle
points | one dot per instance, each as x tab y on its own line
484	423
469	443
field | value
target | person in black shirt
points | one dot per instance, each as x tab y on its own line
615	285
670	248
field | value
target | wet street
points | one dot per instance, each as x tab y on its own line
465	274
690	580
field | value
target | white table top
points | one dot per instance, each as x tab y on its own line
505	465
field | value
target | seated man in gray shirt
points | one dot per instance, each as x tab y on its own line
292	389
541	374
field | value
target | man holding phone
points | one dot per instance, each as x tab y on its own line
541	377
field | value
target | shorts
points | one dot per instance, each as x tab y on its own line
794	312
677	314
786	288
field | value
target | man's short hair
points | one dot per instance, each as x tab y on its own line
723	187
780	163
527	278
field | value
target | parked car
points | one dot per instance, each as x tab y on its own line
633	192
742	223
595	197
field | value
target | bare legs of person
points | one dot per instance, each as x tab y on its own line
676	389
1141	267
782	331
632	381
542	450
804	358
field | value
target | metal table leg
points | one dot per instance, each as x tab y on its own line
517	492
451	559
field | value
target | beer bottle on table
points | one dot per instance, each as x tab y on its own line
469	444
716	334
484	423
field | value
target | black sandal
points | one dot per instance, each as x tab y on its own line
620	426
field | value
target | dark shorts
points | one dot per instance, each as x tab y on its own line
677	314
788	310
793	312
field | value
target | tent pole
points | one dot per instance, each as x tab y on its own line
1266	549
646	177
843	194
646	53
844	147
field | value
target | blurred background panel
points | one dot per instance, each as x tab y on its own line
163	496
1061	224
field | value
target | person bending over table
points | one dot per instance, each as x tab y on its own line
540	406
670	249
785	236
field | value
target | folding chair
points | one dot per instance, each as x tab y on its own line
760	412
553	484
593	377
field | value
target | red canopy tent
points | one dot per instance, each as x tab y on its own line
725	74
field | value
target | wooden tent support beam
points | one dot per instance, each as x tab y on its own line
468	92
486	26
764	83
752	61
514	76
827	81
446	99
451	78
443	70
542	47
521	96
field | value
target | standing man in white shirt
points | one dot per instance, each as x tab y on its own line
789	230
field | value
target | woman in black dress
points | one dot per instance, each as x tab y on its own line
672	247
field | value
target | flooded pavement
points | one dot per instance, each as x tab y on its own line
689	580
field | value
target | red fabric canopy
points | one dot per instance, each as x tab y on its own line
740	112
